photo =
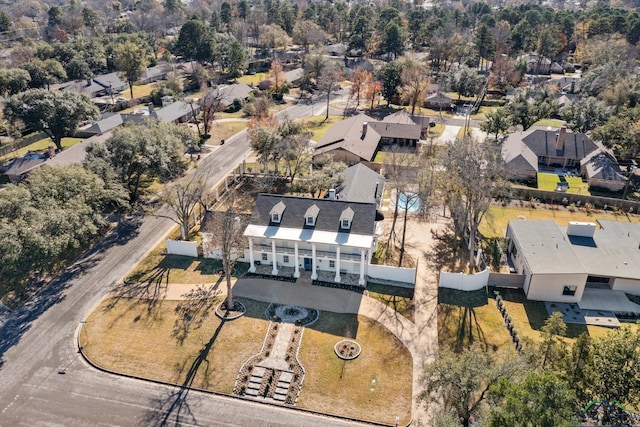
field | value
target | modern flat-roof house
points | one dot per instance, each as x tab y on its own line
564	265
312	234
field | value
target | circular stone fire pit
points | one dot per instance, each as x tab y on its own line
347	349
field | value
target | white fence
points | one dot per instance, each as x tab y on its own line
180	247
464	282
398	274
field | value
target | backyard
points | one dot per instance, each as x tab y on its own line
40	145
549	182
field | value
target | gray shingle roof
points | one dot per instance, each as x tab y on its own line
360	184
543	143
328	218
602	165
518	156
347	135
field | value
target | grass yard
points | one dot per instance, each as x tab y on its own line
468	317
400	299
183	342
375	386
180	342
495	222
529	317
554	123
319	126
253	79
549	181
40	145
224	130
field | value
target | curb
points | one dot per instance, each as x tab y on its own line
221	394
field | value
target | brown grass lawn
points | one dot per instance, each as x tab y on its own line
468	317
154	339
374	386
495	222
183	342
224	130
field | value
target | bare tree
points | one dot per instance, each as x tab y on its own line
210	104
182	196
230	242
415	82
475	177
329	81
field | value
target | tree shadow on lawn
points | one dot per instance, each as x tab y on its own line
174	409
192	312
460	307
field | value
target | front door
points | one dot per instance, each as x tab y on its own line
308	264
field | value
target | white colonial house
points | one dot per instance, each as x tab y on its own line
312	235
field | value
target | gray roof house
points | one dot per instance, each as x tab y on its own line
398	128
176	112
227	94
326	237
560	148
584	263
104	84
361	184
351	140
601	170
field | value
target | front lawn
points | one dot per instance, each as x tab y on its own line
319	126
183	342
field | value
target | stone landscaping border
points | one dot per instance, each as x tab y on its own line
354	349
223	315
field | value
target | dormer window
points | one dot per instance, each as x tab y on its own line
346	217
277	211
311	215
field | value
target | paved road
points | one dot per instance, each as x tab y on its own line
43	381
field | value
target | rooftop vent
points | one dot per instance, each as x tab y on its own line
581	229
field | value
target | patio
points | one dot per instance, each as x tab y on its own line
598	307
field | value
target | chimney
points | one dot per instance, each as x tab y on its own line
375	193
51	151
560	137
365	125
88	82
150	107
332	194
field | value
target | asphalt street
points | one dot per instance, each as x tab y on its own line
43	380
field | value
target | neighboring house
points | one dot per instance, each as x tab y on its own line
521	164
566	84
21	166
563	265
536	64
398	128
361	184
526	153
107	122
312	235
338	49
601	170
226	95
438	101
105	84
155	73
350	141
176	112
294	76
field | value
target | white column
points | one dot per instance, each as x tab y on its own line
314	275
361	281
252	266
274	270
337	278
296	273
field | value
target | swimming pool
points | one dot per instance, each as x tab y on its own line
409	202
